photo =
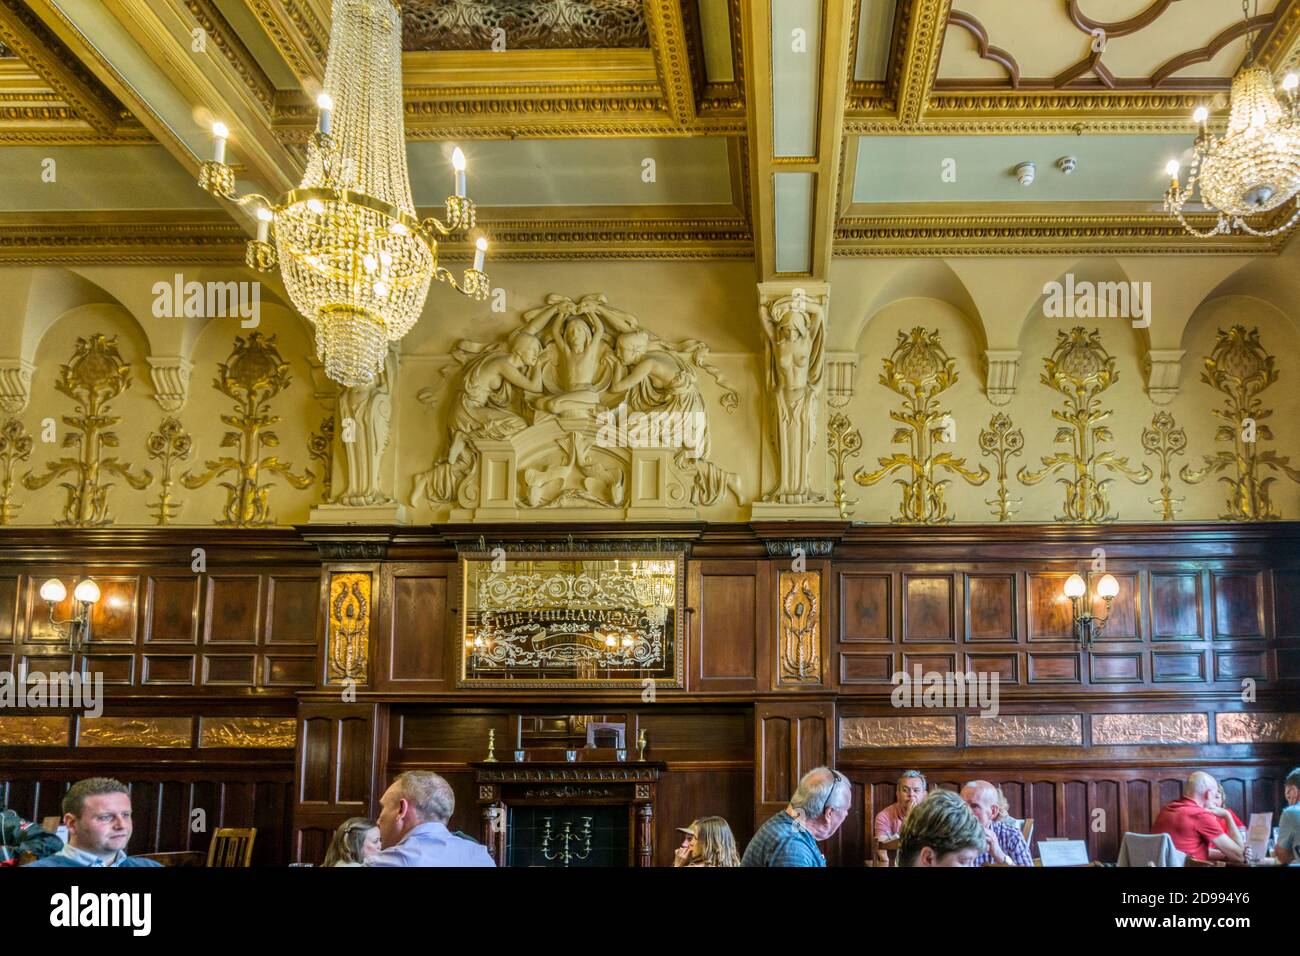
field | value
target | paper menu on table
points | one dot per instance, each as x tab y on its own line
1063	852
1257	835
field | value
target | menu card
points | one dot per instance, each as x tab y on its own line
1257	835
1063	852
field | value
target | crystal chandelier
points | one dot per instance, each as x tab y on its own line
355	259
1254	168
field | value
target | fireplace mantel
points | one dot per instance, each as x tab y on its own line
501	785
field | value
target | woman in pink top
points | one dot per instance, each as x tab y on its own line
910	790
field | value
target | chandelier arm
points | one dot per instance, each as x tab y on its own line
473	283
1246	227
1219	226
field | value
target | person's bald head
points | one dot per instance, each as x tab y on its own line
982	798
1200	786
822	801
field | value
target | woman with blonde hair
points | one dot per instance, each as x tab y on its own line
708	842
354	841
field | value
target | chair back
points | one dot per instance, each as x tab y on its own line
1027	830
232	847
1149	849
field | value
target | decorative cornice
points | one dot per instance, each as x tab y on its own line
811	547
667	31
296	33
926	24
483	546
118	238
336	550
575	773
227	42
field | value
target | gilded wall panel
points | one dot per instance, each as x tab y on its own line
1123	729
879	732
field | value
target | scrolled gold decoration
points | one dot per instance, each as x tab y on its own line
1081	369
800	627
843	442
1164	440
320	447
252	376
1002	442
15	447
349	626
1240	368
920	370
169	444
93	377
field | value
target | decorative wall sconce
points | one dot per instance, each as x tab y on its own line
1087	627
76	627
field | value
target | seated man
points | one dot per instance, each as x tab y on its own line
1003	842
819	805
97	813
1191	825
942	831
413	815
910	790
1288	831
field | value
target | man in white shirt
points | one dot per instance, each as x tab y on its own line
413	819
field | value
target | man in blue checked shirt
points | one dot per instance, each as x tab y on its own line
1005	843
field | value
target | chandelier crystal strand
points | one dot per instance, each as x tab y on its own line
356	260
1254	168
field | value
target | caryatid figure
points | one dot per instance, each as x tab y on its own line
794	331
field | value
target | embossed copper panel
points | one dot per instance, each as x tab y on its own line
1239	728
162	732
936	731
1119	729
269	732
1025	730
33	731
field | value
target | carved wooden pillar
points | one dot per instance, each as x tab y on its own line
645	833
493	825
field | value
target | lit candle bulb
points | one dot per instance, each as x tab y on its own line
1172	170
1290	82
458	161
263	223
326	103
480	250
1201	116
219	132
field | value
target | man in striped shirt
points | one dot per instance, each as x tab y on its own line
1005	844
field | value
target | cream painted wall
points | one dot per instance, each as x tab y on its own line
975	304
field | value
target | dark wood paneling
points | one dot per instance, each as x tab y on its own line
858	668
1115	668
927	608
172	609
1238	610
1053	668
1048	610
1177	666
730	626
1176	606
294	606
1124	622
8	608
233	611
1286	603
866	608
991	600
418	628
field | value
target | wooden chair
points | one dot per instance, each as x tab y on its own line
178	858
1027	829
232	847
1192	862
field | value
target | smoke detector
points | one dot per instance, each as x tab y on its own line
1067	164
1025	173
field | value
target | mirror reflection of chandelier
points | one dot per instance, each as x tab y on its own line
356	260
1254	167
654	586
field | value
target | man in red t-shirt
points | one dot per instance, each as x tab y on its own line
1192	826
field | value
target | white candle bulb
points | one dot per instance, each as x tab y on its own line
263	223
325	102
220	134
1201	114
1290	82
480	248
1172	168
458	161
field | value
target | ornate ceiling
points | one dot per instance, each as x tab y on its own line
787	132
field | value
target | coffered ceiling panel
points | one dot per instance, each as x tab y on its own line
523	24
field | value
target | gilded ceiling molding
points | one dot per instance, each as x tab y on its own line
231	47
15	384
252	376
920	370
1240	369
1208	52
1081	369
120	238
92	378
663	19
297	34
526	24
1120	27
925	27
1280	48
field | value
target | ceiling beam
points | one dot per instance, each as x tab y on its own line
668	40
299	30
927	21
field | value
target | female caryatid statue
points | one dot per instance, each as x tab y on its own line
366	413
794	329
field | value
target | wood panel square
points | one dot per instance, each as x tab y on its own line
228	669
116	668
866	612
1053	668
1051	617
8	608
1234	665
1237	607
113	618
927	608
928	663
1176	607
283	671
233	610
991	603
1177	666
1286	603
294	609
1115	668
857	668
418	628
172	613
1124	622
728	627
1006	666
169	669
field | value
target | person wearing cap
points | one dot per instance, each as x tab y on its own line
708	842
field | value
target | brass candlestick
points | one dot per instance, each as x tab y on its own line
492	747
640	745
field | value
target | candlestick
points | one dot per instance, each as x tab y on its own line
219	132
458	161
263	223
480	251
326	104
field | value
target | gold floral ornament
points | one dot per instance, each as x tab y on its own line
349	626
320	447
15	447
252	376
1002	442
1165	439
1081	369
1240	368
843	442
93	377
920	370
169	444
